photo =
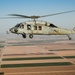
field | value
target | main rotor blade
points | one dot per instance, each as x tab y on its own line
23	16
18	16
10	17
57	13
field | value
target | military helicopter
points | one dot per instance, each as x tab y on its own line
36	27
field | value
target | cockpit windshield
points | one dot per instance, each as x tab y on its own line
20	25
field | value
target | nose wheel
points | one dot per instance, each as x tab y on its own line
24	35
31	36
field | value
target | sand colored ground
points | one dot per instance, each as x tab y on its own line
66	70
58	48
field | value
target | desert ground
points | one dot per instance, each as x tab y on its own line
42	55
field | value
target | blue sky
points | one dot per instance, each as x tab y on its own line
37	7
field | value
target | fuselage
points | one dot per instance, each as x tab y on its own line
40	28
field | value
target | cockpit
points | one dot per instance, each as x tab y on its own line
20	25
17	25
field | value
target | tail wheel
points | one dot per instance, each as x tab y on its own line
24	35
31	36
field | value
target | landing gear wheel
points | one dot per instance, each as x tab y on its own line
24	35
31	36
69	37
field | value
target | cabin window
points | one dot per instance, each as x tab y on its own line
40	27
52	25
35	27
28	27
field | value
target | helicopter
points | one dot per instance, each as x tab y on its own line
36	27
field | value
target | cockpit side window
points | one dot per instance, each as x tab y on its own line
28	27
22	26
52	25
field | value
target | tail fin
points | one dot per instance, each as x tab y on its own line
74	28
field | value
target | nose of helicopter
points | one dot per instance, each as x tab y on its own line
10	30
13	30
